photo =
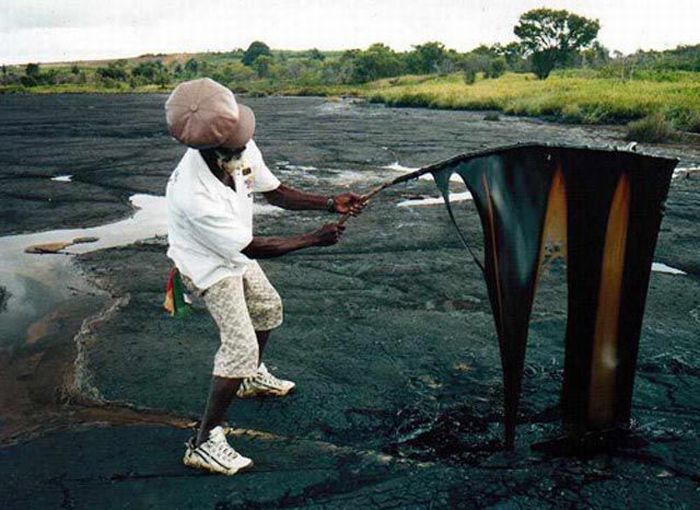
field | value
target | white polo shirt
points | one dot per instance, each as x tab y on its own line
209	223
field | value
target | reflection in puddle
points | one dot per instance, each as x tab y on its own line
39	284
34	284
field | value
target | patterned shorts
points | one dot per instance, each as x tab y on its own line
240	306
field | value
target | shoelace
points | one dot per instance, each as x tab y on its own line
224	450
270	379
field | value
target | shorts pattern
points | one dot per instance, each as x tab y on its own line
240	305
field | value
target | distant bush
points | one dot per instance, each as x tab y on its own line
378	61
233	72
426	58
684	118
255	50
471	64
115	71
469	75
653	129
149	71
264	66
191	68
495	68
315	54
32	70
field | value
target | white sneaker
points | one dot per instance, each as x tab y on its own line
215	455
264	383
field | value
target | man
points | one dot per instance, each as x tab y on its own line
210	215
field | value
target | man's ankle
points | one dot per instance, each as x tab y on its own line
201	437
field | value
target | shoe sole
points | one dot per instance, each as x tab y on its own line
267	393
192	462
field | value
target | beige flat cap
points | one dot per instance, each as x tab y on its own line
203	113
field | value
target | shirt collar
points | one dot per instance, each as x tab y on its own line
205	175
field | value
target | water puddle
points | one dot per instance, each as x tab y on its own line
660	267
44	303
454	197
62	178
685	171
35	285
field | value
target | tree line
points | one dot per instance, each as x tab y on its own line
547	39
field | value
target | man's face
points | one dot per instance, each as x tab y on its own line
228	159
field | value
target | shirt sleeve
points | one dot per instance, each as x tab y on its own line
220	233
265	180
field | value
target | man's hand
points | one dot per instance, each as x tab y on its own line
328	234
348	203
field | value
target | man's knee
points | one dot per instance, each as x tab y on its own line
268	313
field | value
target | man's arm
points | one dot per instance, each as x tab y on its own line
267	247
295	200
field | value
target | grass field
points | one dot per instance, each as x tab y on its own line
575	96
568	97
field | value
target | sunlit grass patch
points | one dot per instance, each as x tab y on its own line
569	96
653	128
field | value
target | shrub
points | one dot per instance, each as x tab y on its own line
377	61
114	71
653	129
684	118
32	70
255	50
469	76
264	66
495	68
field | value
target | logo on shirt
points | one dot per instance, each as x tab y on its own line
248	178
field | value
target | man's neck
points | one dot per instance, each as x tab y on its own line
218	172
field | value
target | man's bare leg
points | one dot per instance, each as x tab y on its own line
221	393
262	342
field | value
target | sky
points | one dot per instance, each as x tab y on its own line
67	30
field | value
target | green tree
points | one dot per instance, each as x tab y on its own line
255	50
114	71
315	54
233	72
426	58
192	67
595	56
378	61
472	63
514	53
32	70
496	67
151	71
264	66
554	37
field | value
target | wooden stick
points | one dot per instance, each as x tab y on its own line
366	198
402	178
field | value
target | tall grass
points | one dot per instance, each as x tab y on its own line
565	97
654	128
